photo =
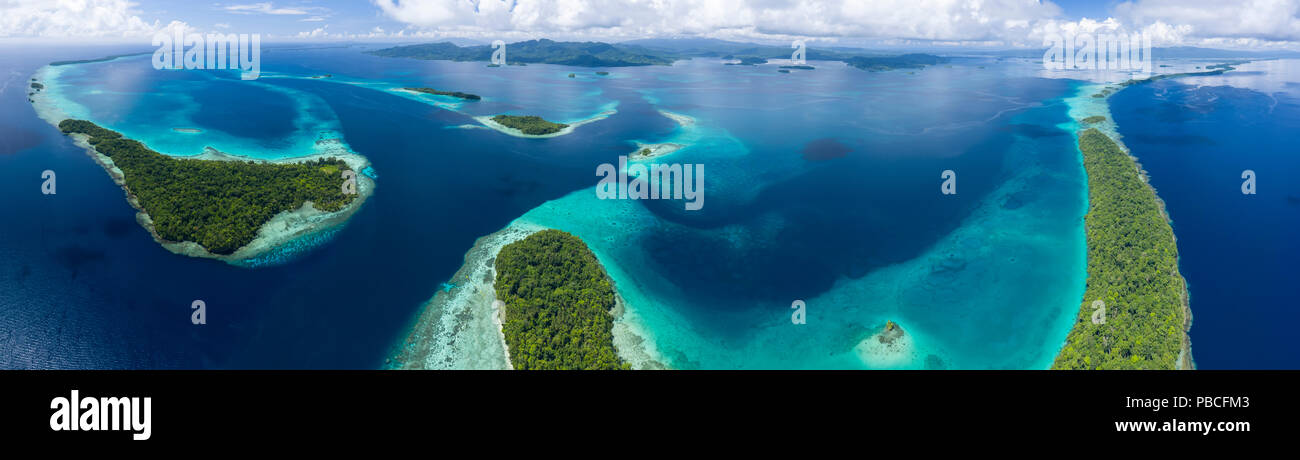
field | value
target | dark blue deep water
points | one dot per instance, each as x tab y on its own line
1238	252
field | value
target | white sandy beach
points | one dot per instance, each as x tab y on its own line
486	120
880	352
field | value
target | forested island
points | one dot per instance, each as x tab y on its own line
529	124
456	94
582	54
1132	269
103	59
1216	69
884	63
748	60
220	205
557	300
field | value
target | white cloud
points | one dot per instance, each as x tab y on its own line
1199	22
263	8
318	32
72	19
991	22
964	20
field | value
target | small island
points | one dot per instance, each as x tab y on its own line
798	67
888	348
455	94
535	127
748	60
648	151
37	86
529	124
886	63
1094	119
602	73
219	205
557	303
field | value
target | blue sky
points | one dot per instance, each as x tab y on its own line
1216	23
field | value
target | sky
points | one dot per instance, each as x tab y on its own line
1236	24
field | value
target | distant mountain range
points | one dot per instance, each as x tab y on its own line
652	52
582	54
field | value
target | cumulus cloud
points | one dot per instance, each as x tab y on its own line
262	8
1247	22
72	19
959	20
1219	23
1003	22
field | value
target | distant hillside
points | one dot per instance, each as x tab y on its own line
754	53
652	52
583	54
709	47
906	61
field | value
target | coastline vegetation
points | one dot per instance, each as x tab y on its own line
557	304
220	205
1094	119
1132	268
456	94
530	124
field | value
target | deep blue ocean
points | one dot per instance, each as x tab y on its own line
1195	137
822	186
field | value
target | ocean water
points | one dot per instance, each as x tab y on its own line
821	186
1195	136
